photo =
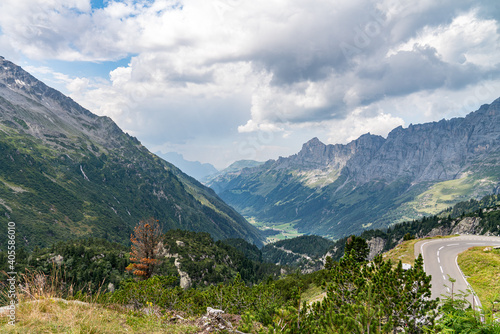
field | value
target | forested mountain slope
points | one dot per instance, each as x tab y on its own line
65	172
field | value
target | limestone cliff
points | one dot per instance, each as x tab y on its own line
372	182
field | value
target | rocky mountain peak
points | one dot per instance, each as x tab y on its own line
21	82
313	147
47	113
372	181
313	143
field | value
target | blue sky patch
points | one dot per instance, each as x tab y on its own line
85	69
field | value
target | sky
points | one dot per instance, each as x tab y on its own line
225	80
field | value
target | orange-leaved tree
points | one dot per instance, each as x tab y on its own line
145	251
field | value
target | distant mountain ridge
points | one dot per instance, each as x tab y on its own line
65	172
337	190
234	169
194	169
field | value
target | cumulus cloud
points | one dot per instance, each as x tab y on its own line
357	124
228	69
467	39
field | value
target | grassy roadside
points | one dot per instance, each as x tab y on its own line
405	250
481	265
59	316
42	310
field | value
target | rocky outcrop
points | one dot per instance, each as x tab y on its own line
216	321
434	151
438	231
376	246
316	155
467	225
57	259
185	282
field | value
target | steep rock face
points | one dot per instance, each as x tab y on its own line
316	155
66	173
467	225
376	246
372	182
434	151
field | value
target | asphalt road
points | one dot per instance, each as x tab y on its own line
440	260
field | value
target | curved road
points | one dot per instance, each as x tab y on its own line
440	260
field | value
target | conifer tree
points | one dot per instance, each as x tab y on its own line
373	298
358	246
144	250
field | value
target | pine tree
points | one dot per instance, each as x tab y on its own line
373	298
144	250
358	246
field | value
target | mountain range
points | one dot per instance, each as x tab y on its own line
372	182
65	172
195	169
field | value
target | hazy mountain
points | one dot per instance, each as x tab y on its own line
336	190
65	172
195	169
241	164
227	173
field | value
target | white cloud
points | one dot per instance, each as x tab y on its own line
203	73
356	125
467	38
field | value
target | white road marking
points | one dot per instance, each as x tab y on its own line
473	241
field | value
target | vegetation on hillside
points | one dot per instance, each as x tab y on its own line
86	264
297	251
47	305
357	247
472	205
208	262
378	296
47	195
457	316
66	173
90	264
485	211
